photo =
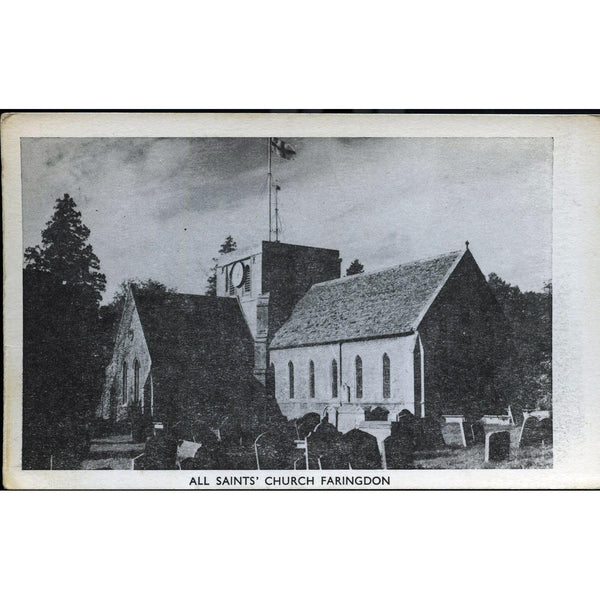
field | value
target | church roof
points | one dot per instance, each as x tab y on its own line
195	342
391	301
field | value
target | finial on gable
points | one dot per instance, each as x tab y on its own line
467	244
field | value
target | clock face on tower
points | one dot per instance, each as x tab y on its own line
237	274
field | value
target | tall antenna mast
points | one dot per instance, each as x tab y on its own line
270	184
277	188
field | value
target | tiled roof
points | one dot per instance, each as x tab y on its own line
385	302
196	343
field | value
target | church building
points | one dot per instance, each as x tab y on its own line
424	336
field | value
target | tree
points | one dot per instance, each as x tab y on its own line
527	374
62	370
229	245
65	252
355	267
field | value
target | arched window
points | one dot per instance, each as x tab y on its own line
124	399
311	379
136	382
291	378
359	376
386	376
334	379
270	381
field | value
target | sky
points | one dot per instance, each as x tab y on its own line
161	207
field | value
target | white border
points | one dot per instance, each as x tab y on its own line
576	329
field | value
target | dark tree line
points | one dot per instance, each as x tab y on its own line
527	374
62	370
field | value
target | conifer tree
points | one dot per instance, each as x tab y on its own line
65	253
62	368
229	245
355	267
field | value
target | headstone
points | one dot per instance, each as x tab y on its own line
326	448
363	450
399	452
209	457
453	431
276	449
377	414
307	423
350	416
497	446
332	412
537	413
186	449
405	429
530	433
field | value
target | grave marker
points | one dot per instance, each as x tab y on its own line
454	431
497	446
399	452
530	433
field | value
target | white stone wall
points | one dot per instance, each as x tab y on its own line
399	350
130	345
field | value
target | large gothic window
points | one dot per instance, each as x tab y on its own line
359	376
136	382
291	378
386	376
124	399
334	379
311	379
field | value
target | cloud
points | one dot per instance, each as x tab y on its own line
160	207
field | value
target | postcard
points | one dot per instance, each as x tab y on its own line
300	301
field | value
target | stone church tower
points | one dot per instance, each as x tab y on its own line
268	281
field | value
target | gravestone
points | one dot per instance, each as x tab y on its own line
403	440
377	414
454	434
531	434
276	449
307	423
497	446
210	457
349	417
399	452
363	450
326	448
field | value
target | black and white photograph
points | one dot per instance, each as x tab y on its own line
287	310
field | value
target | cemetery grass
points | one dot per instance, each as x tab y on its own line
473	457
